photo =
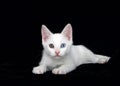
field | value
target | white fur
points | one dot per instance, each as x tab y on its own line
69	57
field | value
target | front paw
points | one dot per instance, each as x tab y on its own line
59	71
39	70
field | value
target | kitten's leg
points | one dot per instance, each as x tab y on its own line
39	69
42	68
63	69
97	59
90	57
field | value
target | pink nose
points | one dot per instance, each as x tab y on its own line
57	52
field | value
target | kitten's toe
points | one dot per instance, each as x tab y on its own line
104	60
39	70
55	71
58	71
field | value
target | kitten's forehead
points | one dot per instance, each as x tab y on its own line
57	38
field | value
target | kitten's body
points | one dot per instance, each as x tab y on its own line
68	58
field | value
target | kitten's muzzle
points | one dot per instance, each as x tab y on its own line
57	53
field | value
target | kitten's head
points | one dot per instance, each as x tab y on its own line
58	44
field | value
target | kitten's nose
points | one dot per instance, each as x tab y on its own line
57	52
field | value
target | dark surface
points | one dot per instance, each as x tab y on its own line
21	47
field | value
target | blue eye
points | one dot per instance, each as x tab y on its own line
63	45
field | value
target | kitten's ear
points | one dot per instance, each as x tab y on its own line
67	31
45	32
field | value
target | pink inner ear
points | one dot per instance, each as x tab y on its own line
68	33
45	35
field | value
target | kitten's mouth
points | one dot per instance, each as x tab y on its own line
57	56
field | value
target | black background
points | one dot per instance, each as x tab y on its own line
20	45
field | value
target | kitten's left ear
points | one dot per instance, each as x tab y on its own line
67	31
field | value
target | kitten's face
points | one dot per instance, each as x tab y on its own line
58	44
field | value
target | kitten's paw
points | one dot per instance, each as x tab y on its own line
58	71
39	70
103	60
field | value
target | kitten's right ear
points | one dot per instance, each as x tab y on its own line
45	32
67	31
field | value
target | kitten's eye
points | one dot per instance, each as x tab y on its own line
51	45
63	45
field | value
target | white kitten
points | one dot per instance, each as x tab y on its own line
60	56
